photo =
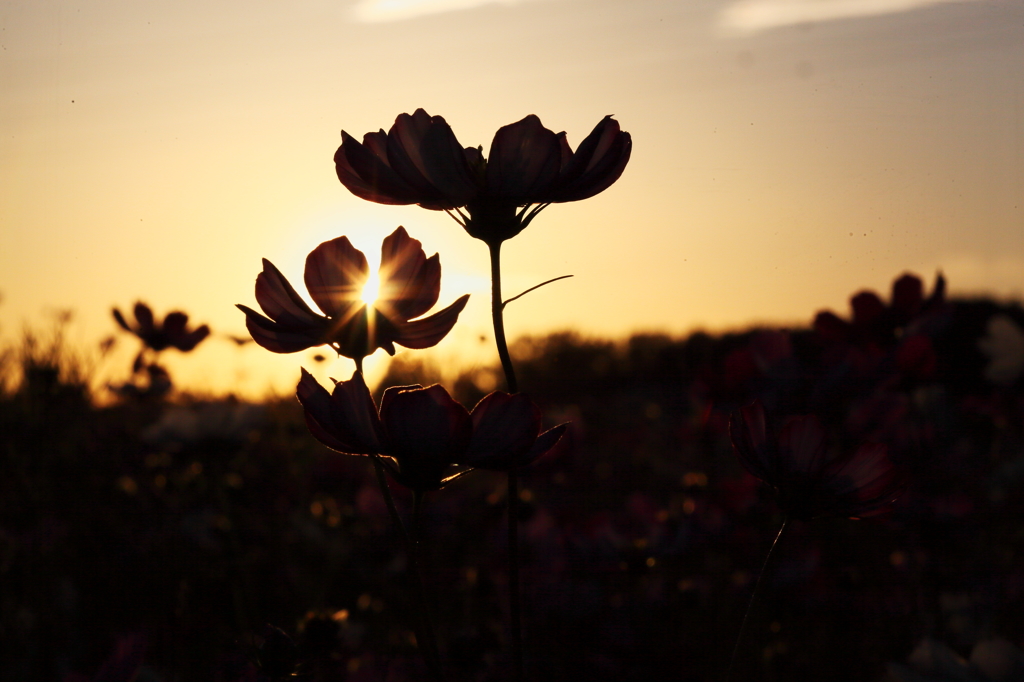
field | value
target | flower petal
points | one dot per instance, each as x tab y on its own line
505	427
281	302
190	340
426	430
865	483
524	159
144	316
363	170
121	321
549	441
345	421
423	151
597	163
428	331
175	323
409	281
335	275
280	338
801	446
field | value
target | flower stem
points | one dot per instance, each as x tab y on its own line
497	310
753	597
426	642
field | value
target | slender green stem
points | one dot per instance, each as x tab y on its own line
426	641
753	597
497	309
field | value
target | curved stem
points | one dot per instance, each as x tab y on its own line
497	309
426	642
753	597
498	319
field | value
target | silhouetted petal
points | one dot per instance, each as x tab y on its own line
410	282
335	275
907	297
278	299
280	338
121	321
524	159
364	170
867	307
505	427
428	331
427	432
597	163
345	421
144	316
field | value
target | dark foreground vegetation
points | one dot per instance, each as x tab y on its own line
154	538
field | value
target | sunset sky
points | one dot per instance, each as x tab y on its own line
786	153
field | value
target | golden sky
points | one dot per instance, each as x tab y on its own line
786	153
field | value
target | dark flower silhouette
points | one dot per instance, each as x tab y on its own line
419	161
880	325
424	431
335	275
173	333
809	480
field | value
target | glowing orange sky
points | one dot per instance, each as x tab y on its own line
786	154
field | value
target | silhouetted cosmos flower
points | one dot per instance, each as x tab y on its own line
173	333
335	275
875	322
424	431
809	480
419	161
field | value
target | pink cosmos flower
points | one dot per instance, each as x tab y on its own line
423	430
335	275
419	161
809	479
172	333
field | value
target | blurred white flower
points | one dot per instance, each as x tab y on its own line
994	660
223	420
1004	345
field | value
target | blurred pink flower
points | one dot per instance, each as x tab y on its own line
423	430
173	333
809	480
419	161
335	275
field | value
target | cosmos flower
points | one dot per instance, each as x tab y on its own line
809	479
335	275
423	430
873	322
173	333
419	161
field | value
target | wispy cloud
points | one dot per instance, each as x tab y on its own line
376	11
746	17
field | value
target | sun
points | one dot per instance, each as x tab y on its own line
371	289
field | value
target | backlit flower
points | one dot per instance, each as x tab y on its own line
419	161
424	431
172	333
809	479
335	275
